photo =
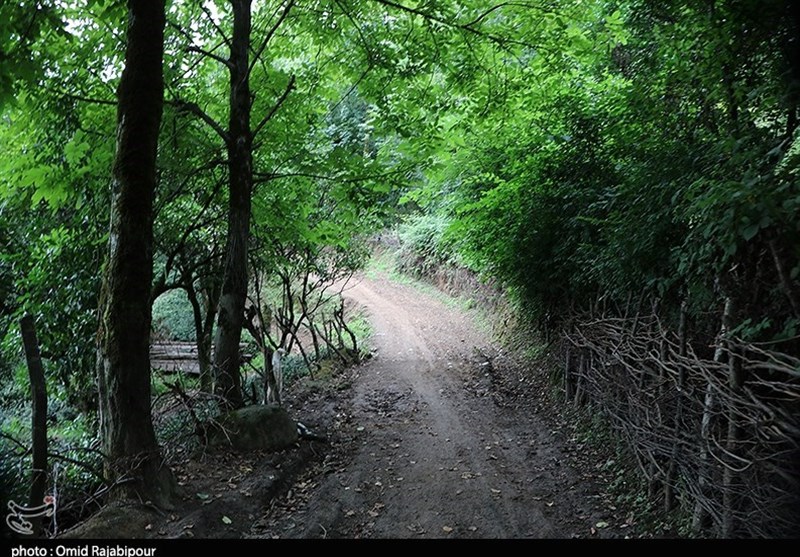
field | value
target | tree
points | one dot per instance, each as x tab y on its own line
123	352
375	43
645	164
240	168
58	136
238	141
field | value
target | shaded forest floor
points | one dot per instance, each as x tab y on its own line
438	435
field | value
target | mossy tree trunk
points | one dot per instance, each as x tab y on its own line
133	460
240	165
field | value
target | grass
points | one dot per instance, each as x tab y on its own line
381	263
362	328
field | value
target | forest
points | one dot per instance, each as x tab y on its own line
621	173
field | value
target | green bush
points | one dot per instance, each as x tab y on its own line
172	316
424	244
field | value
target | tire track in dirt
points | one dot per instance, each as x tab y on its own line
436	452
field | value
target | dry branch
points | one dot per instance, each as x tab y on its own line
734	458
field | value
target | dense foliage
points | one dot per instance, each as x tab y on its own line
657	165
616	157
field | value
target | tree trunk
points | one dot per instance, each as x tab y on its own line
579	379
314	340
123	349
340	315
240	167
567	385
38	419
203	316
204	346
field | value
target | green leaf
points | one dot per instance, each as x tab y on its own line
750	231
615	18
34	177
76	149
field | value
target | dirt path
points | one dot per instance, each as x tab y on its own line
428	439
425	449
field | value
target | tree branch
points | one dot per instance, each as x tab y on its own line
500	41
194	108
501	5
161	285
217	27
224	61
177	192
361	36
179	29
266	177
424	15
26	35
25	449
276	106
270	33
88	467
81	98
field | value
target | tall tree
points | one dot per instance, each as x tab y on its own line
123	352
240	164
239	143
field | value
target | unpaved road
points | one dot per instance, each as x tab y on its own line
428	446
428	439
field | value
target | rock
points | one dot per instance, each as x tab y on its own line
257	427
